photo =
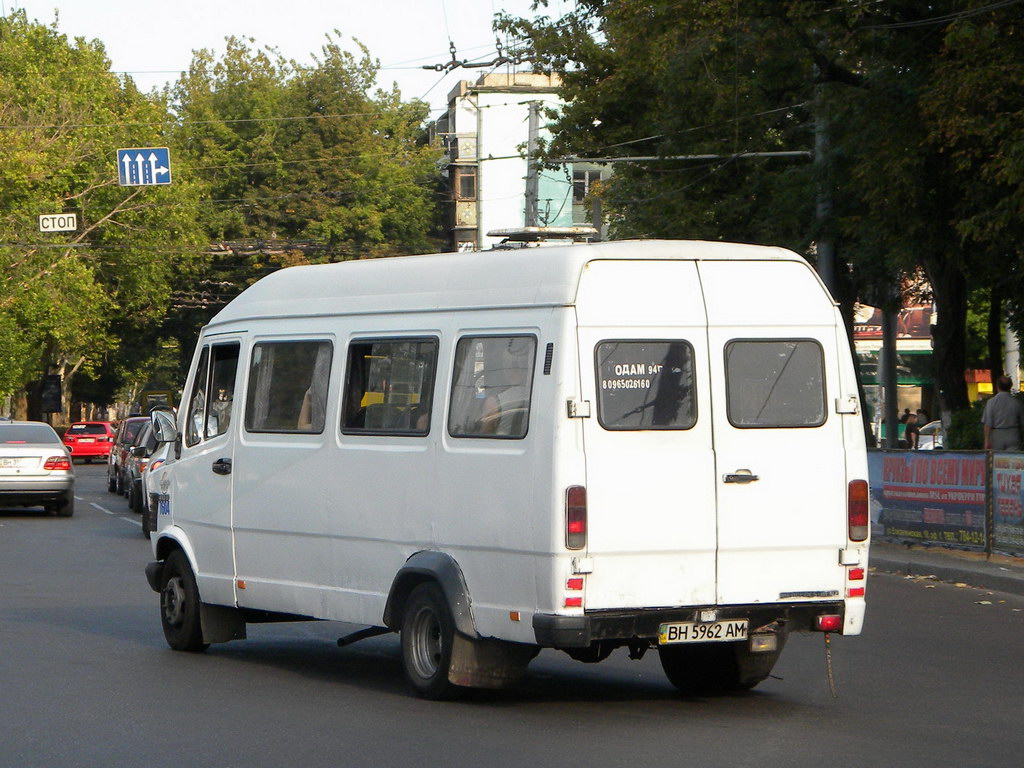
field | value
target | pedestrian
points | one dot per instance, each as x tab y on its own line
913	432
1003	419
922	417
905	415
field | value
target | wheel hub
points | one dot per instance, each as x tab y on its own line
172	601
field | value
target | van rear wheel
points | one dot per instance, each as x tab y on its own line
427	638
179	605
714	668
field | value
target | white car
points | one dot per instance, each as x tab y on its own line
930	436
35	468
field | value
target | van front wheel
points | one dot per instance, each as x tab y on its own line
179	605
427	638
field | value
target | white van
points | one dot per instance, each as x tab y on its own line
640	444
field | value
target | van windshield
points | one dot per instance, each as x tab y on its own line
645	385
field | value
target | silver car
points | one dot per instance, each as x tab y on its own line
35	468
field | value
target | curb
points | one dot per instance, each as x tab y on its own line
892	558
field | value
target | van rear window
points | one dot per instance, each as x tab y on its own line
645	385
775	383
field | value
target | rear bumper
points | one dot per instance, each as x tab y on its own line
81	450
554	631
28	492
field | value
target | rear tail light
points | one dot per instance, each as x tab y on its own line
857	510
57	462
576	517
828	623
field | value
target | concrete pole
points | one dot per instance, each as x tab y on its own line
532	174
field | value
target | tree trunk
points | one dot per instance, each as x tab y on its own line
949	358
995	334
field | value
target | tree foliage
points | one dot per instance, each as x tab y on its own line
919	101
63	115
274	163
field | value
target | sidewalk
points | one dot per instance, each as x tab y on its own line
1000	572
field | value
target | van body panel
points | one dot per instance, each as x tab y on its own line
779	536
204	514
651	492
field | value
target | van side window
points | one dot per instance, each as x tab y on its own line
212	399
197	401
645	385
775	383
492	386
288	383
389	387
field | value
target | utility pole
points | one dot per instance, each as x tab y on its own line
823	208
532	175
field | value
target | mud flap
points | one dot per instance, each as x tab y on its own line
221	624
488	663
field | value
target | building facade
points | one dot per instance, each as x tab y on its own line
491	131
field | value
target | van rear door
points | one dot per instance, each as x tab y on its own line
650	468
779	451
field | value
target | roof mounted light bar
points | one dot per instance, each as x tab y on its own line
519	236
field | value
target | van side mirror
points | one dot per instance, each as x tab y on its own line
165	427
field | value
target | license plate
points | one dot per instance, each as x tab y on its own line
705	632
8	462
87	439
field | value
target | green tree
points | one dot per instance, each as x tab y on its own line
880	81
63	116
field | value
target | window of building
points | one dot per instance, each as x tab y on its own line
582	181
492	386
465	182
775	383
645	385
288	382
389	387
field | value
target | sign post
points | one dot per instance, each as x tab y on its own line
143	167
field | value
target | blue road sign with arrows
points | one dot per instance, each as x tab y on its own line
143	167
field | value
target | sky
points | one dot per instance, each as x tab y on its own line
153	40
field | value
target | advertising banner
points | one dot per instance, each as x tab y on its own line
1008	503
930	496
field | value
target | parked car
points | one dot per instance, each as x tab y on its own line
929	437
149	507
89	440
135	465
127	431
35	468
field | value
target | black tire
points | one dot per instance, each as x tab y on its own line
118	482
66	506
709	668
179	605
146	530
427	638
111	482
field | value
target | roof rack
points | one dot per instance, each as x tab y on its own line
521	237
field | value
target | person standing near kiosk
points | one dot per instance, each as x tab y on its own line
1003	419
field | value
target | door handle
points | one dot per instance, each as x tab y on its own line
222	466
741	476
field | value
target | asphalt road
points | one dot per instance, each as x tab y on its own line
86	680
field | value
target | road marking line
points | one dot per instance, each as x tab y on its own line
133	522
101	509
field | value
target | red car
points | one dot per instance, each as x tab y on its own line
89	440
